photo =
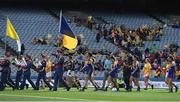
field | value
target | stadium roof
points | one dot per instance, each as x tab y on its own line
141	5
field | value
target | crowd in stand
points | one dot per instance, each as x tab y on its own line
54	41
122	36
42	41
130	39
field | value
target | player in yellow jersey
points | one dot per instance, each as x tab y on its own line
147	71
48	70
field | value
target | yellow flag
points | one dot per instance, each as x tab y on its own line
11	32
69	42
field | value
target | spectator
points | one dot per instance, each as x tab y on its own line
34	41
99	66
153	48
98	36
44	41
156	37
105	33
22	49
90	22
155	65
79	40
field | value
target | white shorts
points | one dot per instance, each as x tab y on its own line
166	75
146	75
48	74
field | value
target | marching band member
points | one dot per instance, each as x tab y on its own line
42	73
6	71
27	72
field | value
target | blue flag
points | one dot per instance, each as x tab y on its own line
65	29
70	40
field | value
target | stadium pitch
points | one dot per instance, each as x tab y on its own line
88	96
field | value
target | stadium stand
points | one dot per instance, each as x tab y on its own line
135	21
39	23
170	35
132	21
87	35
2	52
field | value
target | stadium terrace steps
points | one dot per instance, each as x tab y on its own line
170	35
30	23
129	20
2	51
89	38
87	35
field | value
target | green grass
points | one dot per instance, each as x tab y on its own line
88	95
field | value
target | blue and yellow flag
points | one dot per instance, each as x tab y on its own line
70	40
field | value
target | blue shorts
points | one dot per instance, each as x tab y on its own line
171	72
135	75
171	75
113	75
88	72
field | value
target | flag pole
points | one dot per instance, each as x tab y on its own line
6	33
60	18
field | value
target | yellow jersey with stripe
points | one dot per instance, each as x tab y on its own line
147	69
48	66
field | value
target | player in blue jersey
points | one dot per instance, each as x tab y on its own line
135	75
170	74
89	71
113	75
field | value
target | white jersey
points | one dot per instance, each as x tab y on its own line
22	63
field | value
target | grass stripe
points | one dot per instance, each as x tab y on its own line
58	98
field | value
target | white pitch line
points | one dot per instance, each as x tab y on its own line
60	98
